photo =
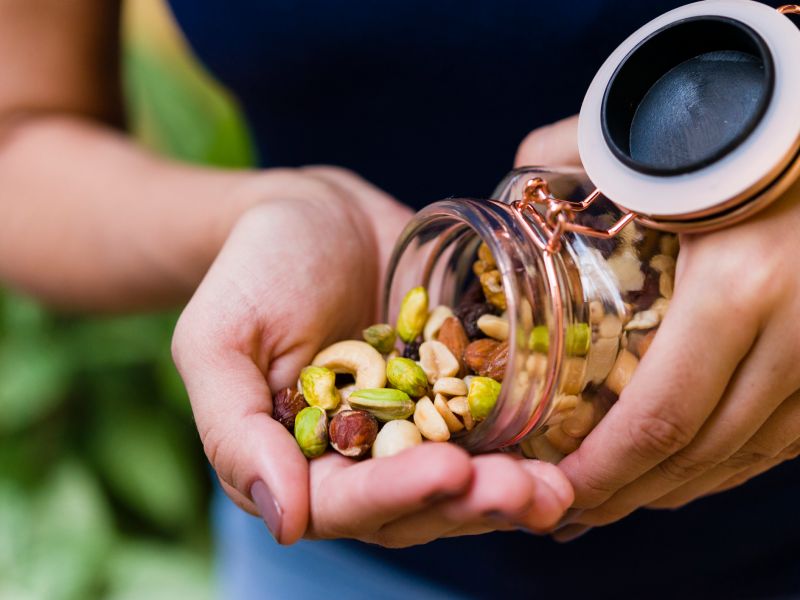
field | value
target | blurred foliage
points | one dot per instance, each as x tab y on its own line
103	484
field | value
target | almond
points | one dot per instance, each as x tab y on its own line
479	353
496	369
452	335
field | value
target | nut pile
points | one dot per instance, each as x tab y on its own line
602	354
436	373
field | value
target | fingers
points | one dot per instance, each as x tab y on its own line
775	442
674	390
751	397
555	145
231	404
505	493
356	499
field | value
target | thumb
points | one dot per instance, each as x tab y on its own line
553	145
257	460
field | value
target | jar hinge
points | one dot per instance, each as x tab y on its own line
559	215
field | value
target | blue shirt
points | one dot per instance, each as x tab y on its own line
427	100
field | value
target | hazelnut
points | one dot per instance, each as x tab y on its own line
285	406
352	433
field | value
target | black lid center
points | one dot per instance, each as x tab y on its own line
687	95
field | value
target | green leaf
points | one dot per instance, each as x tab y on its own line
34	377
158	572
100	343
59	541
178	110
149	463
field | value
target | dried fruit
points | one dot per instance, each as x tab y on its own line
482	396
430	423
385	404
452	335
413	314
435	320
469	315
437	360
311	431
319	387
352	433
380	336
411	350
285	406
492	283
394	437
357	358
407	376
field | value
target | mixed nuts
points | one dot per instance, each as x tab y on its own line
437	384
440	370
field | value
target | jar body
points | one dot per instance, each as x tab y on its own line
579	319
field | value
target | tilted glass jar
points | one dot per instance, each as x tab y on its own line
587	276
581	313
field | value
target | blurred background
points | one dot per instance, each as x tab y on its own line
104	487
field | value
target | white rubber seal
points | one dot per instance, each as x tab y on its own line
767	146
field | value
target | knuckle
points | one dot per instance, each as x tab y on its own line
745	458
658	435
682	466
594	491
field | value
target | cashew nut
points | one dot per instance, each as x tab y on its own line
357	358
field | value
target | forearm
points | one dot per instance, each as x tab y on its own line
90	221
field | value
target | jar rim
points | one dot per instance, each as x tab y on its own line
456	217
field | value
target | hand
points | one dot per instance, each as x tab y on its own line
299	271
715	401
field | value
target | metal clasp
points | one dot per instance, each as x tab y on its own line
789	9
559	214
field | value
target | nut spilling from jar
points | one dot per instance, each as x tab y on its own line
444	379
439	371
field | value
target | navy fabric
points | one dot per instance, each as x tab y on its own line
427	100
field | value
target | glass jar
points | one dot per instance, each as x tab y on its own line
585	281
581	313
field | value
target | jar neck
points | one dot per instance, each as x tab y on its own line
437	250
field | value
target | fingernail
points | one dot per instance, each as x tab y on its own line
270	510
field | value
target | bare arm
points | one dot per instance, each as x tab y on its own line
87	219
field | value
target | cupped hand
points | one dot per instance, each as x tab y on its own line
716	399
300	270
